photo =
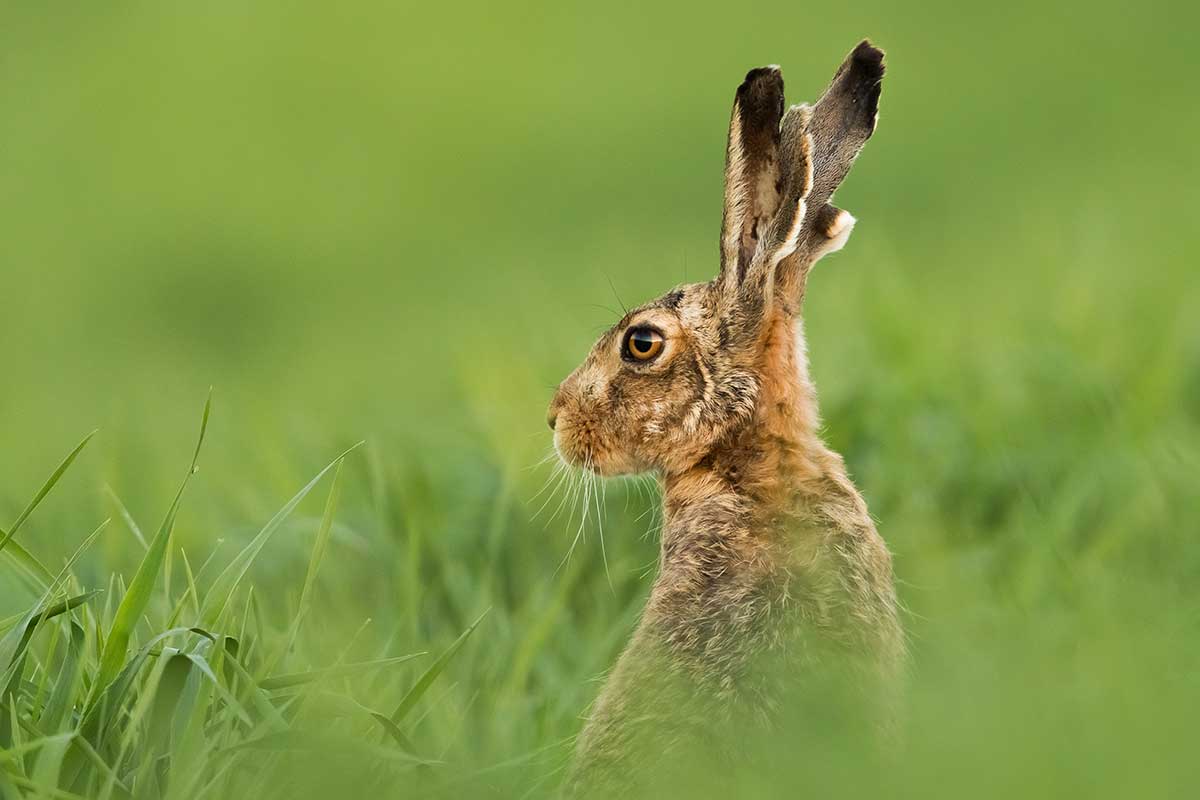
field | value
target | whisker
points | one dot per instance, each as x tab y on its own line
554	472
599	498
612	311
648	570
608	278
550	454
568	476
582	517
557	478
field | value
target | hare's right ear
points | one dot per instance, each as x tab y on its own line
752	173
844	118
838	126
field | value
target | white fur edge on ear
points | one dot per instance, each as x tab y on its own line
736	198
837	233
793	236
792	241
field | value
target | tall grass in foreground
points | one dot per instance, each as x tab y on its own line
150	690
1054	670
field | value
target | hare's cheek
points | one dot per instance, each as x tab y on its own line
652	430
654	420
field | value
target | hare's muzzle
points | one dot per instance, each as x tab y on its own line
555	407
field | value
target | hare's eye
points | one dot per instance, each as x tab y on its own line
643	344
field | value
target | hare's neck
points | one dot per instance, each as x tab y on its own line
758	477
784	430
779	451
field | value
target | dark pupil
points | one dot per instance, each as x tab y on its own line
642	343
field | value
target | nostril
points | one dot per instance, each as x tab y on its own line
556	405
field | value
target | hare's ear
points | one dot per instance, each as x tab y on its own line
841	122
752	297
786	229
844	118
751	171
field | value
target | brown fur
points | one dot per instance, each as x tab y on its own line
768	551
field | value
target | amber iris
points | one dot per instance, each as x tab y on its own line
643	344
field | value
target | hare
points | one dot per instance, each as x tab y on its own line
768	552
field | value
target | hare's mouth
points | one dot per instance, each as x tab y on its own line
583	447
580	444
576	444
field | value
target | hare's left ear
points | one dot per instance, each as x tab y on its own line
750	291
752	171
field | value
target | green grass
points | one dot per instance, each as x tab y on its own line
405	225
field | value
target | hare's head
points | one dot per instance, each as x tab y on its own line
678	376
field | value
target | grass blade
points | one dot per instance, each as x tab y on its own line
33	569
227	582
137	597
176	669
126	517
393	730
50	760
204	667
54	714
314	565
323	744
339	671
12	646
271	716
423	683
45	490
54	610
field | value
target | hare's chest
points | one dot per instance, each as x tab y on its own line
721	621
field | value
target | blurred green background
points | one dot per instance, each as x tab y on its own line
405	222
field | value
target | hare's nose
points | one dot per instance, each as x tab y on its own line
552	411
558	402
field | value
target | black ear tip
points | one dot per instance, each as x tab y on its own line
762	82
868	58
760	73
761	94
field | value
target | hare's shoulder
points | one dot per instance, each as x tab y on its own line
843	565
